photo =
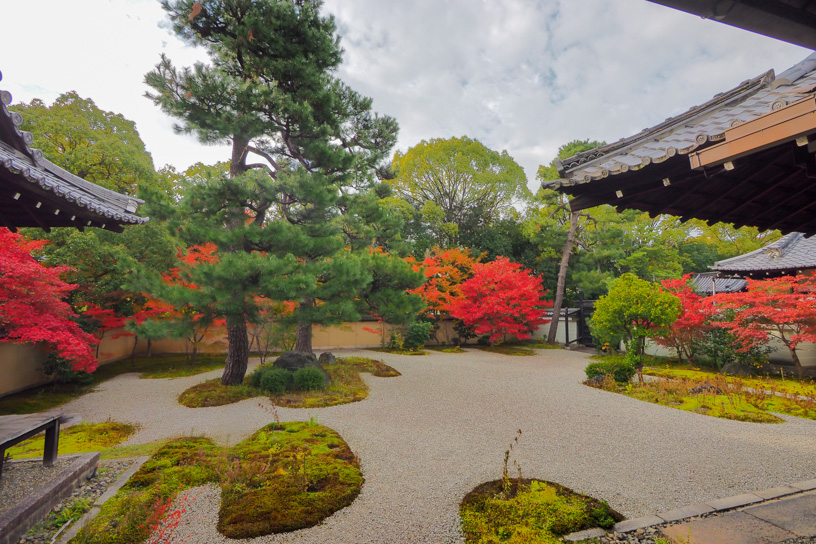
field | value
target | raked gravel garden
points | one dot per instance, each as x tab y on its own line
427	438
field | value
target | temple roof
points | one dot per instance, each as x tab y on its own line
710	283
35	192
790	254
744	157
792	21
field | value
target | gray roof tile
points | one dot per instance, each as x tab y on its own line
791	252
18	158
698	126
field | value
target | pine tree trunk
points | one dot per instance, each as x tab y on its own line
237	352
562	278
237	337
304	338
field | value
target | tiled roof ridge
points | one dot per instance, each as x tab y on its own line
17	155
20	139
741	91
779	245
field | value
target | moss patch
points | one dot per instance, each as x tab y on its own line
49	396
446	349
82	438
398	351
284	477
507	349
534	511
715	396
345	386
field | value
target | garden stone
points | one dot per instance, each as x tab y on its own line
706	388
327	358
596	381
293	360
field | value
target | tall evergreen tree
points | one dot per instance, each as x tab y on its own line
300	208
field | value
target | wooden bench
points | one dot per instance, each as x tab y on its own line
15	429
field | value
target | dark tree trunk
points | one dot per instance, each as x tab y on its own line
562	278
237	352
304	338
237	336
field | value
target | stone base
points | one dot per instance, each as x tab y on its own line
14	523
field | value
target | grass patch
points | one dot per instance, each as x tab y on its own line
446	349
542	345
345	386
82	438
135	450
398	351
283	478
214	393
46	397
534	511
717	395
507	349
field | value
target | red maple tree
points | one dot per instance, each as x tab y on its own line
32	308
690	326
502	299
446	270
783	307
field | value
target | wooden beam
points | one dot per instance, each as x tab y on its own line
33	216
735	187
775	128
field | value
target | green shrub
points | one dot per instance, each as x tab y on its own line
619	370
397	341
59	369
416	334
276	380
255	377
308	378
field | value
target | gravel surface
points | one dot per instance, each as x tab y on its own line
90	490
428	437
21	478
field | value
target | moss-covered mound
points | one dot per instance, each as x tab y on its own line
284	477
345	385
530	511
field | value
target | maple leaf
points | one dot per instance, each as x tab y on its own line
196	10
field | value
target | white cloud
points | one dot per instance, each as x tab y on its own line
517	75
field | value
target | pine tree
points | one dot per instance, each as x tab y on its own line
294	218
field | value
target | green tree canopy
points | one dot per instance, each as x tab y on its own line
300	212
456	182
96	145
635	309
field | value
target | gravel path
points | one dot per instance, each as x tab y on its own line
427	438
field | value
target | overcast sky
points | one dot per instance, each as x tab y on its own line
519	75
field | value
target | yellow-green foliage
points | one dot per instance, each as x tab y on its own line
634	308
82	438
537	512
507	349
345	386
784	396
284	477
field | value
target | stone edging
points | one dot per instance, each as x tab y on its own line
110	492
16	521
693	510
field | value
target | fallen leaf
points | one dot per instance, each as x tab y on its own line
196	10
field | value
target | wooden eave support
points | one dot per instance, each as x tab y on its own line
787	124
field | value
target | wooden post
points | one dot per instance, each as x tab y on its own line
51	444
